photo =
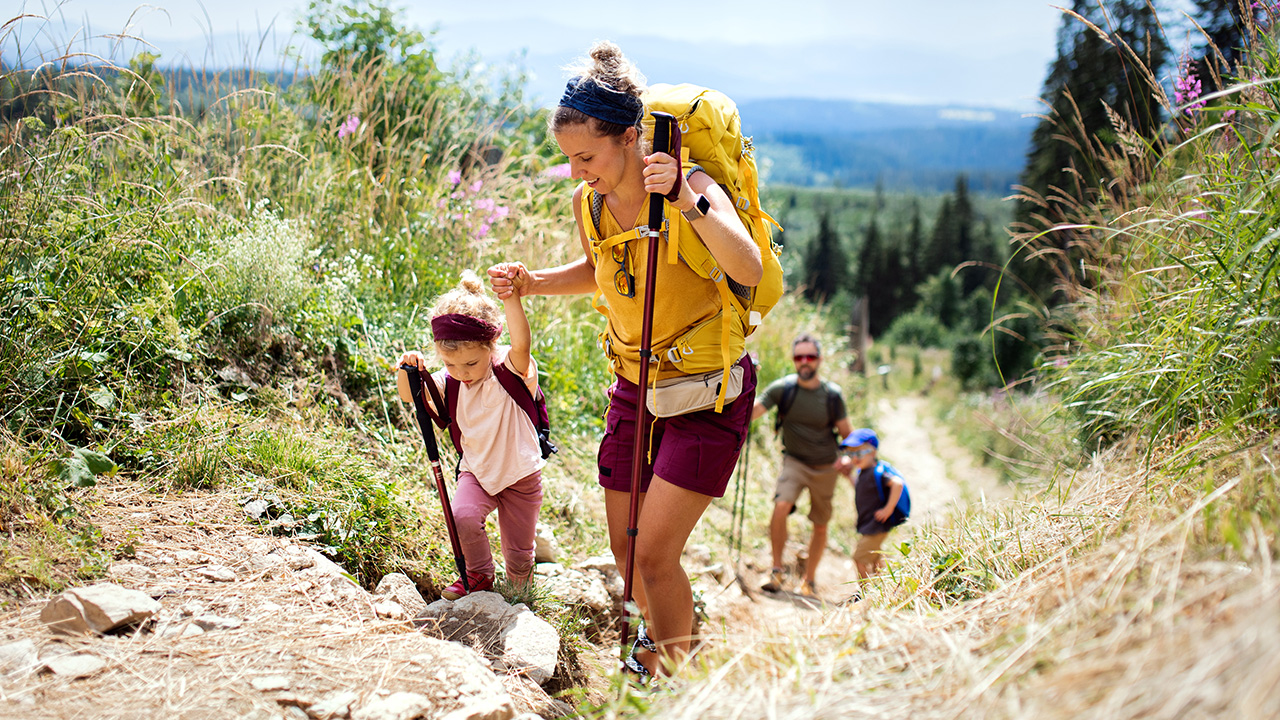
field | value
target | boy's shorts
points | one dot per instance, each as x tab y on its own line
820	481
868	550
696	452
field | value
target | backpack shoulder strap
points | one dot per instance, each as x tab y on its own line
785	402
597	206
518	391
533	406
451	389
833	404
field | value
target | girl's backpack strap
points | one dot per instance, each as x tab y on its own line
534	407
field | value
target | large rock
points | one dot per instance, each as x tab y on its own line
519	640
584	590
97	608
398	587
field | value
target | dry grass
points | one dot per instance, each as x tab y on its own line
1128	613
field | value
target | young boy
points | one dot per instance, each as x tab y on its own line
875	512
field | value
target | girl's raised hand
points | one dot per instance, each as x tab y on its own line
508	278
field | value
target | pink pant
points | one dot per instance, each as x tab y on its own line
517	508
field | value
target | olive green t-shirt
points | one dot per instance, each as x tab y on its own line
807	430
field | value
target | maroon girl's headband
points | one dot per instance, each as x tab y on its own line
455	326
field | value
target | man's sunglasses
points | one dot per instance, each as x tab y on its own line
805	358
861	453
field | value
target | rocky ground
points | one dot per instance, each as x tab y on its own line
220	620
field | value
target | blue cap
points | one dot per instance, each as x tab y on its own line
862	436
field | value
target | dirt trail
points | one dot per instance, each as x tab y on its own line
939	473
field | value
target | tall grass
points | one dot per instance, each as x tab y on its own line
1176	325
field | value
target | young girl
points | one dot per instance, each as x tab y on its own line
501	465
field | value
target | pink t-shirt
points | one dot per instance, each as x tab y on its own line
499	441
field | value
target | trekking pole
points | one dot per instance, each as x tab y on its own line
663	126
433	454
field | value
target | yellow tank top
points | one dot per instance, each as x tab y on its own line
681	300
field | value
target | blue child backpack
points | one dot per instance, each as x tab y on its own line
903	510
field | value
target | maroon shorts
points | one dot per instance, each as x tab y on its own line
696	452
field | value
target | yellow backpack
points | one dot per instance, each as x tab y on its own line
711	139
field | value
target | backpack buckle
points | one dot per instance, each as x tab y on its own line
743	203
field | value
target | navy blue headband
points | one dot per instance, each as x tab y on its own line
601	102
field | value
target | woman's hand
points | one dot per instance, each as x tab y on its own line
660	174
413	357
508	278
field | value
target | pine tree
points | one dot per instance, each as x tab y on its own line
825	262
1091	76
1222	44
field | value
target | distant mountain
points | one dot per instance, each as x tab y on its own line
857	144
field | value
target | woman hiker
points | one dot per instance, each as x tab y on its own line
598	127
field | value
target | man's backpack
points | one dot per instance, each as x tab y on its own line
533	406
788	398
903	509
711	140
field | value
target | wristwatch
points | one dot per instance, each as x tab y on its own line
699	209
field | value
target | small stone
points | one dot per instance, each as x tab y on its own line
490	708
190	557
194	607
191	629
334	706
389	609
215	622
75	666
397	706
256	508
267	683
217	573
18	658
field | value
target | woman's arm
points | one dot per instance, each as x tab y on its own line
721	228
574	278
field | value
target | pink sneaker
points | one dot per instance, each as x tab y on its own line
478	583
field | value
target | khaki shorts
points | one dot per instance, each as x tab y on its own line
820	481
868	550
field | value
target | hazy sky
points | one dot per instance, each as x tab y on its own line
987	52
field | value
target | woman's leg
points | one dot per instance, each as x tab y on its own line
617	508
518	507
471	505
666	520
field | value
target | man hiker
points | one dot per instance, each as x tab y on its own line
810	412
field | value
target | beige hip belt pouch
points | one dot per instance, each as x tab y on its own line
691	393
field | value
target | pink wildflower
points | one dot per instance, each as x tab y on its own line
475	186
351	124
500	213
1187	88
562	171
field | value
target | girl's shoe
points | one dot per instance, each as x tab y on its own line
478	583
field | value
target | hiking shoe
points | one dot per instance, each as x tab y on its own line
807	589
478	583
775	581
